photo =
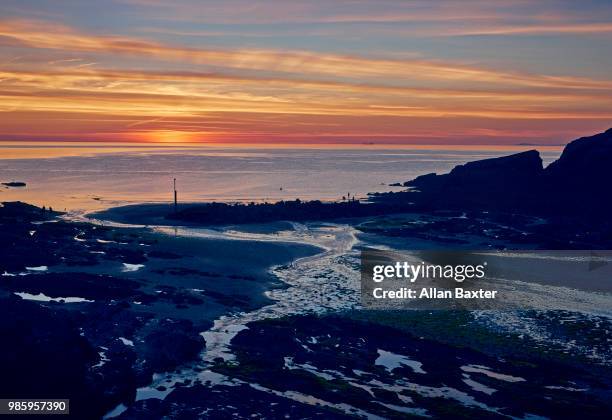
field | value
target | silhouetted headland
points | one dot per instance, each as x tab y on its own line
573	185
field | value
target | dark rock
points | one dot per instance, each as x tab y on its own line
88	286
422	180
579	179
524	165
19	211
51	358
164	255
343	346
170	343
585	158
14	184
575	184
503	181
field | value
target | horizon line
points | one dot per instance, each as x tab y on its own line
128	143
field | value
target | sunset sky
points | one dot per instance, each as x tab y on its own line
319	71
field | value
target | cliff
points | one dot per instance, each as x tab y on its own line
576	183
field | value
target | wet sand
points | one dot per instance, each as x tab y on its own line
139	214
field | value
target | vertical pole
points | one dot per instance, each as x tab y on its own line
175	201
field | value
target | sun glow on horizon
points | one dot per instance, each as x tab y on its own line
170	136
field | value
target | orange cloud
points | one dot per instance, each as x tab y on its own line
571	29
71	85
37	35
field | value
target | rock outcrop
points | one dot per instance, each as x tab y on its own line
14	184
579	181
503	181
574	184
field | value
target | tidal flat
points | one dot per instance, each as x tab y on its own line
171	320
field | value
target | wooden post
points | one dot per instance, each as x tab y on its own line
175	200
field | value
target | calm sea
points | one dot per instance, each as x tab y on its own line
94	176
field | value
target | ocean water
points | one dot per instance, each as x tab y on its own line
94	176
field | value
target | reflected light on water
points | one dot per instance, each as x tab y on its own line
92	176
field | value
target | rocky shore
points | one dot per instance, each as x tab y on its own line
391	365
90	312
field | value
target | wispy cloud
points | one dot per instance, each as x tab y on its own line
593	28
311	63
292	71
